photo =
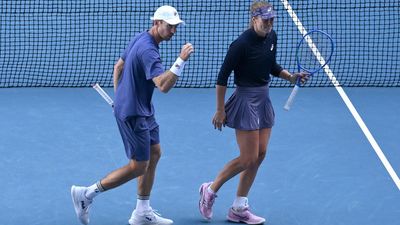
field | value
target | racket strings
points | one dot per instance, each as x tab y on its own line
313	51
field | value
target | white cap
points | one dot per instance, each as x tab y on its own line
168	14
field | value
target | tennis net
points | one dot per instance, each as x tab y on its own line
76	43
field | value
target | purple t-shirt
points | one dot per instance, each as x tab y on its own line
135	88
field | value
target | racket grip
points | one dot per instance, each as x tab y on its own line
290	100
103	94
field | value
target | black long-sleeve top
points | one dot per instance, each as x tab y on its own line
252	58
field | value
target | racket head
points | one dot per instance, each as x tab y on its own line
314	51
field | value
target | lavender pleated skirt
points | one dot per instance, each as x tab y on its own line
250	108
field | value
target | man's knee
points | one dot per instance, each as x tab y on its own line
138	167
155	152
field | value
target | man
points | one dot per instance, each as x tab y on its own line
141	69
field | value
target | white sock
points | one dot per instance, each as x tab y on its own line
240	202
93	191
142	204
209	190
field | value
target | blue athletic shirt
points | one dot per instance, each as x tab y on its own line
135	89
252	58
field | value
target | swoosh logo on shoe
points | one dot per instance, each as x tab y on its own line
83	204
148	218
241	217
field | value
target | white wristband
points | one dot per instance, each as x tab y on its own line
178	66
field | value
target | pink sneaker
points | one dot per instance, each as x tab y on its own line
206	201
244	215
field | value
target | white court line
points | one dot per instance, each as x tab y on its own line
347	101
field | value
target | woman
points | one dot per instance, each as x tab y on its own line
252	57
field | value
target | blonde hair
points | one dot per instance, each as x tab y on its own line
254	6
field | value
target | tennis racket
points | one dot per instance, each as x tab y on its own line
313	52
103	94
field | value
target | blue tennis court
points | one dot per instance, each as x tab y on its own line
325	173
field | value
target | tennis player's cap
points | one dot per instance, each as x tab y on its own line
266	12
168	14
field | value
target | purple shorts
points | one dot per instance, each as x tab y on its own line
138	134
250	108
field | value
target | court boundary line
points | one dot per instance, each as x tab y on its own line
347	101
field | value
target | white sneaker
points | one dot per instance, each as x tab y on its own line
81	203
149	217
